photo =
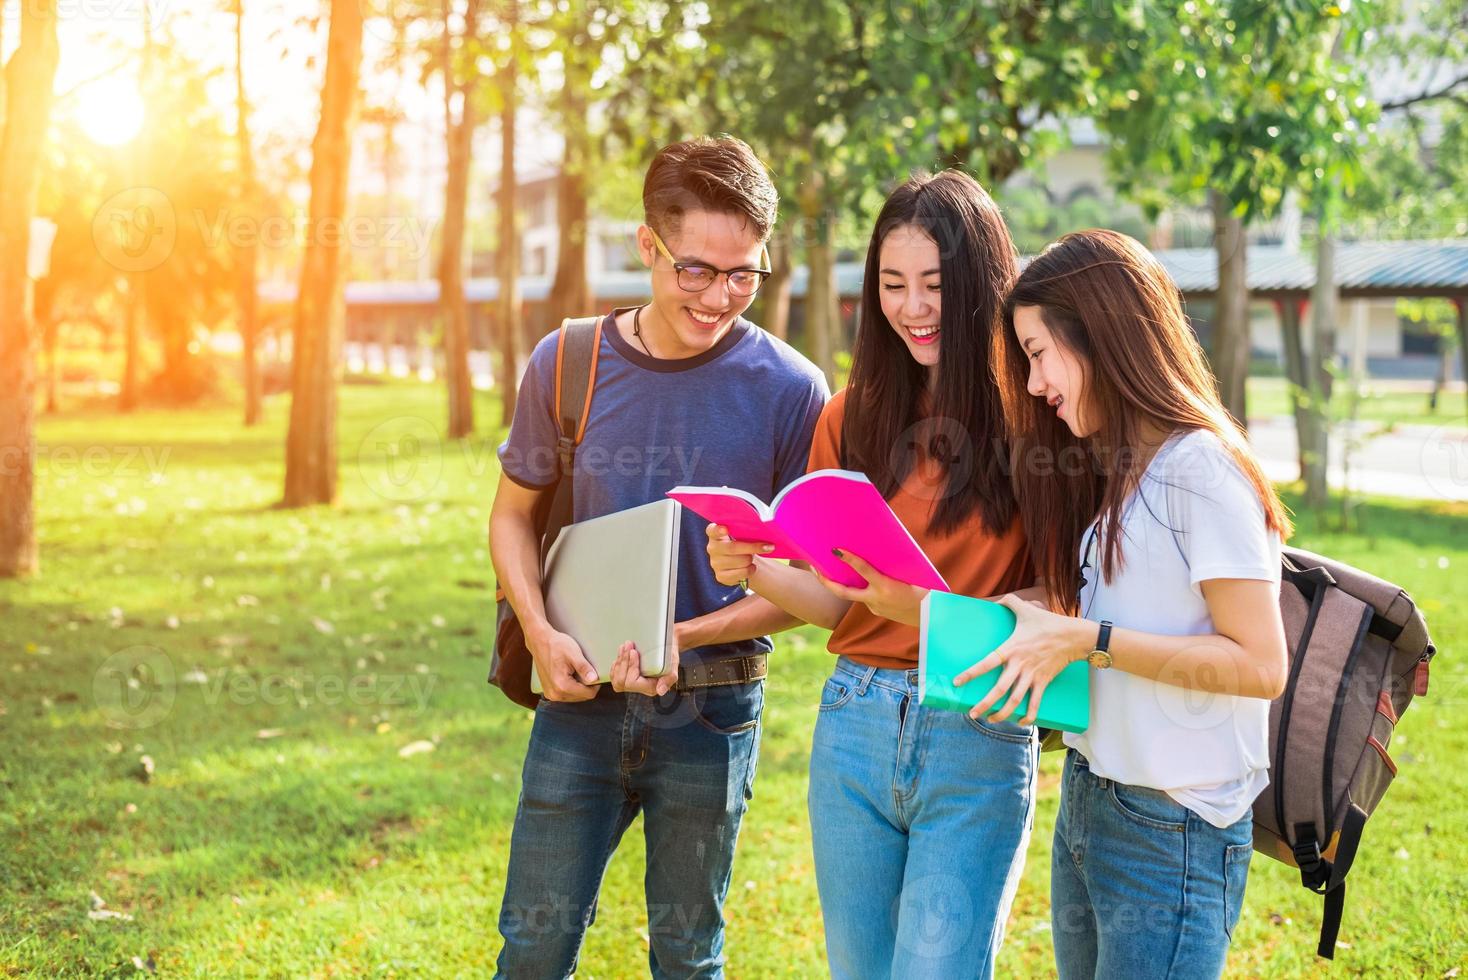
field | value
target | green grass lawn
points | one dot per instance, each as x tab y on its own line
283	659
1379	403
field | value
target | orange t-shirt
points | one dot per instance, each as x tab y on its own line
971	560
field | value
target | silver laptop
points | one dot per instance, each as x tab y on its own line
615	578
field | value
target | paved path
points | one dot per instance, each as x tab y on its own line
1410	461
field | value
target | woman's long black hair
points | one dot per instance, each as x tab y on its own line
963	424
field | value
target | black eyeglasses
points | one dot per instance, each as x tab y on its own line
695	277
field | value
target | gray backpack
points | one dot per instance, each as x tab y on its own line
1359	652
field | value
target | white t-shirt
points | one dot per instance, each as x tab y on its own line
1194	517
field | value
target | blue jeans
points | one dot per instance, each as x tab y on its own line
1141	886
686	761
919	819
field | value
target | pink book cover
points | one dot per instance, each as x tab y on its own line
820	511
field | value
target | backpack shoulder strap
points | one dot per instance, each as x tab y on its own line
576	356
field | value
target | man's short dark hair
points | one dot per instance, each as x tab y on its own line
712	174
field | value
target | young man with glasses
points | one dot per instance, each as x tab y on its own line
687	392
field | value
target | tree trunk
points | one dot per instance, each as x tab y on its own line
127	397
507	318
1324	304
571	290
453	307
781	286
47	326
1231	316
1461	303
247	253
1295	372
1442	376
822	309
310	463
51	330
177	382
29	77
137	284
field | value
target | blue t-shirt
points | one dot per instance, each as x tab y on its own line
740	415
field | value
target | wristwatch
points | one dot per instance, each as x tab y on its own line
1100	658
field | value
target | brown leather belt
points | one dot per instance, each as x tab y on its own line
730	670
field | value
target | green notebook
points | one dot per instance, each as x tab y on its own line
957	632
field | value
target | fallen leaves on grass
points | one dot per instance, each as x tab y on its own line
99	912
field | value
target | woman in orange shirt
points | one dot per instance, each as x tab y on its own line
919	817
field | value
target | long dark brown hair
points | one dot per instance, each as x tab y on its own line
885	398
1107	300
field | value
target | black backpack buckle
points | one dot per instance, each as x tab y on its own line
1314	869
565	452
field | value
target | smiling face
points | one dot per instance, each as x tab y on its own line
910	289
687	324
1057	374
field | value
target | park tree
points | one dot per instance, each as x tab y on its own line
318	318
191	285
577	31
596	58
459	65
1410	183
740	73
161	221
29	76
509	326
78	295
1235	102
140	161
247	251
880	90
1416	173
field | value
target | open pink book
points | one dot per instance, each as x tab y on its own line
820	511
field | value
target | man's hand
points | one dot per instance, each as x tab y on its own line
565	673
627	670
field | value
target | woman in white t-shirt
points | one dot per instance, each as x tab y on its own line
1156	537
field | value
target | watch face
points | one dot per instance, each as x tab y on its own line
1099	659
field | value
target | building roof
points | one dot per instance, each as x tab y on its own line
1363	269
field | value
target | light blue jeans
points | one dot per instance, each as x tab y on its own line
1140	886
920	819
